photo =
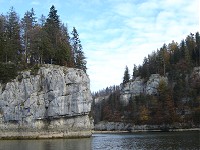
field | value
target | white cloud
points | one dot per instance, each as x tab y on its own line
125	9
141	29
35	3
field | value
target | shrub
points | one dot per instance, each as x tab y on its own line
7	72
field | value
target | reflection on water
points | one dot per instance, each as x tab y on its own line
148	140
143	140
54	144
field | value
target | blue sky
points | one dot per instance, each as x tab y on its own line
116	33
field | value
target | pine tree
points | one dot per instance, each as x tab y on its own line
60	49
197	37
38	44
135	72
64	54
2	36
67	46
52	27
163	59
126	77
28	24
145	68
12	37
77	53
43	43
53	18
190	54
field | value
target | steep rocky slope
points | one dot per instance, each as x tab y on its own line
138	86
154	104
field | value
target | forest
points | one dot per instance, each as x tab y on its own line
29	42
177	101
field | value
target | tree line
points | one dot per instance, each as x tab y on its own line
29	41
170	60
105	92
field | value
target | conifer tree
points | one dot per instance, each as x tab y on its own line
77	53
197	37
190	45
28	23
135	72
67	46
59	49
64	53
126	77
2	37
52	27
145	69
12	37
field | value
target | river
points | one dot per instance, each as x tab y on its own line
188	140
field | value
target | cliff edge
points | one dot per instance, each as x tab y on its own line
48	102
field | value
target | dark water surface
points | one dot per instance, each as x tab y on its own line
189	140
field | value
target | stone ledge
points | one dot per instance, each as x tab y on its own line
43	135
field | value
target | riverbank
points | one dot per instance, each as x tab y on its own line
110	127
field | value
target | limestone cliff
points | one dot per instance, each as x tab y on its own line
53	102
138	86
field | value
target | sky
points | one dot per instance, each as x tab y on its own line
116	33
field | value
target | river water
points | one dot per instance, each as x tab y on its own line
187	140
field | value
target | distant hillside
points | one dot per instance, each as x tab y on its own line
165	89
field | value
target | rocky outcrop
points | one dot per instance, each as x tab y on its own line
153	82
130	127
53	102
112	126
139	86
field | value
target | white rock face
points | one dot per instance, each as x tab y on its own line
195	75
153	82
138	86
54	92
131	89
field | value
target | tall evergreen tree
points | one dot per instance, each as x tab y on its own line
145	69
164	57
64	53
135	72
197	37
190	54
2	36
12	37
28	24
52	27
77	52
126	77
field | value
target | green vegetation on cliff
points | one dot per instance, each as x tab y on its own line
26	42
